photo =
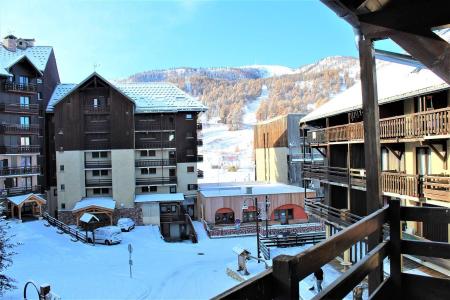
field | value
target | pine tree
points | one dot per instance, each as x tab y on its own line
6	253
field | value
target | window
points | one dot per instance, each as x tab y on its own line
39	96
151	153
192	187
95	102
25	121
144	153
144	189
63	187
23	80
25	141
152	171
39	80
278	213
153	189
61	168
104	172
95	173
172	172
173	189
190	169
25	161
24	101
97	191
95	154
105	191
144	171
188	116
63	206
104	154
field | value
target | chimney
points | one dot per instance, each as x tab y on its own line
9	42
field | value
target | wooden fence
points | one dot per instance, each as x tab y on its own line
77	234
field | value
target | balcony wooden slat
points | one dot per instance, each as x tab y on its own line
426	248
425	214
424	287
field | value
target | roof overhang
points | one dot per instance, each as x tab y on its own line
100	204
20	59
21	199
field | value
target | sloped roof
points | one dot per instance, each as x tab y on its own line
103	202
17	200
37	55
148	97
159	197
394	81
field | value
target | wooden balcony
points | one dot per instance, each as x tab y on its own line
146	126
417	126
20	171
97	128
17	129
282	280
19	149
400	184
96	109
155	163
437	187
15	108
28	88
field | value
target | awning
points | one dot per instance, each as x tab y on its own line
18	200
224	210
88	218
104	203
171	197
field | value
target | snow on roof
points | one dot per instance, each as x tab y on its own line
38	56
87	217
395	82
159	197
148	97
240	189
17	200
103	202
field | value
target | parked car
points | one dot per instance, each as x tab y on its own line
126	224
107	235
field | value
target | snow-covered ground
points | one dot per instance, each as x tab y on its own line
160	270
223	148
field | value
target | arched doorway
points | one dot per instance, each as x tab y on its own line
224	216
289	212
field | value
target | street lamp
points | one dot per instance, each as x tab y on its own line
267	202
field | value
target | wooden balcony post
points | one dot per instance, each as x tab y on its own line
371	144
395	247
284	275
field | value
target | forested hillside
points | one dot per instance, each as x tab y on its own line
226	91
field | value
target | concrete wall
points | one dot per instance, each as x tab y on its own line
123	178
72	177
150	213
184	178
272	165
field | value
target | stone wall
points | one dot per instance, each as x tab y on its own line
134	213
67	217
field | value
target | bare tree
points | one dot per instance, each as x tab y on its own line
6	253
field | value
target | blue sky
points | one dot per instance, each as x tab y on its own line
125	37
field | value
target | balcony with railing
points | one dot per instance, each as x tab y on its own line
199	158
199	126
96	109
437	187
306	157
147	126
200	173
98	128
97	145
155	145
199	142
19	190
20	171
282	281
98	182
19	149
156	180
97	164
17	129
432	123
156	163
28	88
16	108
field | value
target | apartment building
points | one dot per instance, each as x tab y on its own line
280	150
414	109
125	150
28	75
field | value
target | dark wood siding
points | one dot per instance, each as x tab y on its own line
186	147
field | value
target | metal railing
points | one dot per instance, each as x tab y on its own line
156	180
19	129
155	145
98	182
12	191
155	162
20	87
19	149
16	171
99	164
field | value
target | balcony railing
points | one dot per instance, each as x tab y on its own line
411	126
12	191
401	184
306	156
154	145
17	171
98	182
199	142
200	173
100	164
156	180
322	172
31	109
437	187
199	158
19	149
20	87
155	162
19	129
282	280
96	109
145	126
97	128
199	126
90	145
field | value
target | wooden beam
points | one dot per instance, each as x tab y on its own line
443	158
395	253
424	287
426	248
371	145
425	214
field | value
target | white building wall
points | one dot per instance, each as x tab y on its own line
184	178
72	178
150	213
123	177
